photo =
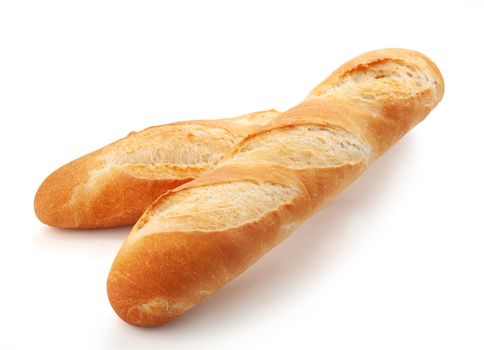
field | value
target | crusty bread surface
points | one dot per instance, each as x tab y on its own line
196	238
114	185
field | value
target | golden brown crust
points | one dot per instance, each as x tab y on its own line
170	262
110	187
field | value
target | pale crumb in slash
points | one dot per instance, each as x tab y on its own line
381	80
217	207
182	145
303	146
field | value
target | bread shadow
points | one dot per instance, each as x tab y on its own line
53	239
320	241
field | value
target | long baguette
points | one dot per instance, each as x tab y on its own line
115	184
196	238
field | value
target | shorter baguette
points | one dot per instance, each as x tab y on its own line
115	184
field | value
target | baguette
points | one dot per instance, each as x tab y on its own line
196	238
114	185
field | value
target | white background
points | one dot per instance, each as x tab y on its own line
396	262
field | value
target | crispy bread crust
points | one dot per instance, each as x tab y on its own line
160	273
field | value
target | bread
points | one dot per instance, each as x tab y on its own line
114	185
196	238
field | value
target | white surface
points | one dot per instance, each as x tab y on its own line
396	262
